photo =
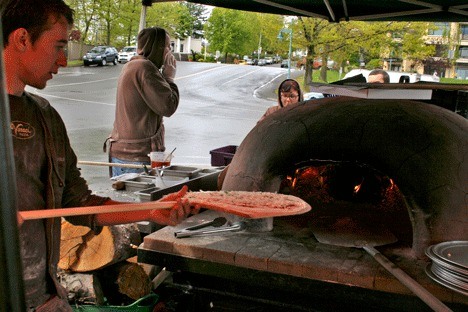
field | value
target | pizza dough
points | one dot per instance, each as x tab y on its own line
253	205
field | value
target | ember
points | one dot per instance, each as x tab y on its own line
350	192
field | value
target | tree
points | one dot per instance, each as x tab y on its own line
198	17
357	41
232	31
127	22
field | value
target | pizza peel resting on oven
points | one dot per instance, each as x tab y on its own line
254	205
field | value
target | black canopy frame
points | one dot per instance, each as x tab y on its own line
346	10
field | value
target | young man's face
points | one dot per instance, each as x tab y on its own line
43	58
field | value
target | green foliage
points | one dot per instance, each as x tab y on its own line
116	23
231	31
374	63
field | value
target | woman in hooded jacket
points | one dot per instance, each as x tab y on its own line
289	92
146	93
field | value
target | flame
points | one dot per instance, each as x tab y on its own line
357	188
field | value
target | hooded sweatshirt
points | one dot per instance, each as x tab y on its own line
144	97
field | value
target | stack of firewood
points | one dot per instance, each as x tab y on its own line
101	268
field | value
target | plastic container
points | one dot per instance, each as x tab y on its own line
160	159
145	304
223	156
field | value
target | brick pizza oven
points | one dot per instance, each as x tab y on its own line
397	162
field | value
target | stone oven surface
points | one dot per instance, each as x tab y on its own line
421	147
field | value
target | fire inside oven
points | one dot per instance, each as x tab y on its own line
350	194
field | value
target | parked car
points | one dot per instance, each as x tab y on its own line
101	55
277	59
284	63
269	60
313	96
261	62
127	53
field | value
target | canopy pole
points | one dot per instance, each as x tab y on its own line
11	276
142	18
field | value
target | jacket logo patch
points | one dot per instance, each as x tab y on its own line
22	130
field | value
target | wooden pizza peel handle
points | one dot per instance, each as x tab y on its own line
79	211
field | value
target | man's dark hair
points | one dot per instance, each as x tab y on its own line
32	15
382	72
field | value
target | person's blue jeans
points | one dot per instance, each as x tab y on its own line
121	170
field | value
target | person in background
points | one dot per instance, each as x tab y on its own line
35	35
146	93
378	76
289	92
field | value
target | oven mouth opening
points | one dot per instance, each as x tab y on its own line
349	195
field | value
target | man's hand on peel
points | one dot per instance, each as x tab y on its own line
179	212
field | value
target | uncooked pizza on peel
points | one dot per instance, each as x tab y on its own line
252	205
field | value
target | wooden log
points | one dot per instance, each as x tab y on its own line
124	278
83	251
83	288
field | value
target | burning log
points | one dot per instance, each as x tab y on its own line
83	251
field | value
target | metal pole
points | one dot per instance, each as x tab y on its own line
290	50
11	280
142	18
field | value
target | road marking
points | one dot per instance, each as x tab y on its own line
198	73
81	83
70	99
249	73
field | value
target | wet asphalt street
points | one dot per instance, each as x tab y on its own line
219	105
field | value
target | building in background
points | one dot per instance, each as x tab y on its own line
451	53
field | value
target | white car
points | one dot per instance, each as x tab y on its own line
313	96
127	53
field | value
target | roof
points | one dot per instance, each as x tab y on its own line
363	10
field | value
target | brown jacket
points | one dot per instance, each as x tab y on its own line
144	97
64	188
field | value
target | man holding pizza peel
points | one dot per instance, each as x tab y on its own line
35	34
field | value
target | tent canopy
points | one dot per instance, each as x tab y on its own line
344	10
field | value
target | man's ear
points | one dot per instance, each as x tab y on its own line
20	39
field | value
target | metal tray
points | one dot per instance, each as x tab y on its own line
206	180
444	282
139	183
454	252
181	171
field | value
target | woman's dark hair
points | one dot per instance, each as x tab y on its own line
286	86
32	15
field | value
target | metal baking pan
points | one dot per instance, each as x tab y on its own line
206	180
139	183
181	171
